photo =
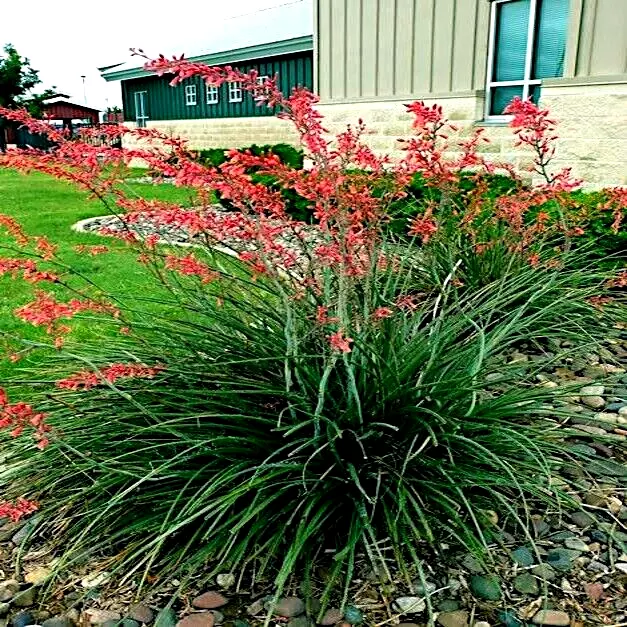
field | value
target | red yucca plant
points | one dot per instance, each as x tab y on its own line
300	393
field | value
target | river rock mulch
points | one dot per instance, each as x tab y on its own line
573	573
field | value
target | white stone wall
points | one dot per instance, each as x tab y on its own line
227	132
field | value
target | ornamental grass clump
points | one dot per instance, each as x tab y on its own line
303	393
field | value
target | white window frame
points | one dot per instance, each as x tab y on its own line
212	93
139	100
527	82
191	98
262	79
236	92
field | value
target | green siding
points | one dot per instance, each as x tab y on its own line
168	103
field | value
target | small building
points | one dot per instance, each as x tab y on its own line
275	41
69	114
472	57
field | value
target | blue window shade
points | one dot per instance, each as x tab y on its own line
512	23
550	45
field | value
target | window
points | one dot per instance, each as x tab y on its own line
212	94
262	79
235	92
527	44
190	95
140	108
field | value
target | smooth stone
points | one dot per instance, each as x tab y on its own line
551	617
100	617
331	616
577	544
353	615
623	411
522	556
581	519
471	563
583	449
225	580
410	605
539	526
544	572
141	613
209	600
300	621
526	583
25	598
616	406
218	617
8	589
592	390
622	567
458	618
597	567
37	576
200	619
58	621
425	589
562	559
95	580
596	402
24	531
166	618
256	607
22	619
486	587
287	606
238	622
509	618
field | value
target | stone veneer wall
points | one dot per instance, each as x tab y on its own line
592	128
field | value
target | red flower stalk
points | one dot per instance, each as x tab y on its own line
16	511
20	416
190	266
339	342
86	379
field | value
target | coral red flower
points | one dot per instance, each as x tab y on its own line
382	312
16	511
423	227
340	342
87	379
19	416
190	266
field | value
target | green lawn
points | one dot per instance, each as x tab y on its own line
45	206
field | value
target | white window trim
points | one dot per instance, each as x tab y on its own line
236	93
140	119
262	79
212	93
527	82
191	98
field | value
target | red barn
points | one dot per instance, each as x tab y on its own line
61	109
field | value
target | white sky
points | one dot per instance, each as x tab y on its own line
72	38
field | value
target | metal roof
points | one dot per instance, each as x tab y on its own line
270	32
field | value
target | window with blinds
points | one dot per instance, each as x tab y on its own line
527	44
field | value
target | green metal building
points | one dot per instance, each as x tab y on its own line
149	97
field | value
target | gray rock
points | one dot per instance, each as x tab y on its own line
21	619
551	617
209	600
526	583
8	589
141	613
597	567
300	621
256	607
522	556
448	605
410	605
25	598
471	563
486	587
25	531
621	566
598	536
166	618
331	616
100	617
457	618
577	544
562	559
510	619
544	572
218	617
58	621
581	519
287	606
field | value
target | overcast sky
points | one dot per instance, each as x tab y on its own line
69	39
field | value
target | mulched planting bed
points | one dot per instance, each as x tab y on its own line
572	572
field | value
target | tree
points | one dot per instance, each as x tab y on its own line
17	78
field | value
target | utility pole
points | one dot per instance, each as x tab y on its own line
84	92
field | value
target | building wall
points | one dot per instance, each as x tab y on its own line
374	56
168	103
226	132
386	49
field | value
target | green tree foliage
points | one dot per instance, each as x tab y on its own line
17	77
